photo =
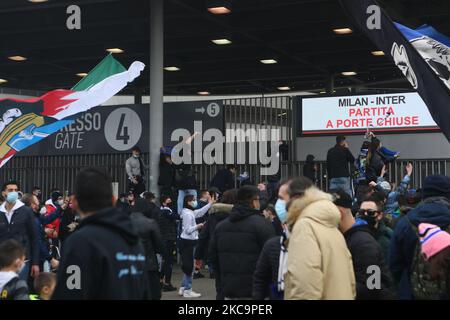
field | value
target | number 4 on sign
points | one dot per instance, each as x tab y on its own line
122	131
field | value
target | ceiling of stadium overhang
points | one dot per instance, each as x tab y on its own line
297	34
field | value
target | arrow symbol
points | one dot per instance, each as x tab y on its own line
202	110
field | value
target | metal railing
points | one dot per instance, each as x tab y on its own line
396	171
60	171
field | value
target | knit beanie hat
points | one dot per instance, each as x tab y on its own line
341	198
55	195
432	239
436	186
386	186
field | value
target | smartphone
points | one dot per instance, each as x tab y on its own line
66	195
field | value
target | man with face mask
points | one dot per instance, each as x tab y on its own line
371	210
135	169
283	199
17	222
365	250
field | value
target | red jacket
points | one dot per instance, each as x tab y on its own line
49	209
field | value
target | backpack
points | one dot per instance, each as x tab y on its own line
14	289
422	286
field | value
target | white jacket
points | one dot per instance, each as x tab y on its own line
189	226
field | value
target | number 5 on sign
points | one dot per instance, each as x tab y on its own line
123	129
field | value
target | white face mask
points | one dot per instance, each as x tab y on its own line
21	268
60	202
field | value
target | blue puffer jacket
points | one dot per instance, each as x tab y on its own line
434	210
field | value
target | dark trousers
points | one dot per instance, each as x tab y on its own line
154	285
219	293
187	255
167	265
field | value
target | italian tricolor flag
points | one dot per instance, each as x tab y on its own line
25	122
107	79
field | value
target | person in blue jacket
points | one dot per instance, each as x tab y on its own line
31	201
434	209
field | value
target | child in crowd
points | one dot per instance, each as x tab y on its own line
44	285
12	260
435	245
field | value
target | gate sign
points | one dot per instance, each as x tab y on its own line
123	128
383	112
113	129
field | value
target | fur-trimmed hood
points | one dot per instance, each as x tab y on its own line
315	205
220	207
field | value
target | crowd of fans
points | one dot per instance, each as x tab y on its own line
366	238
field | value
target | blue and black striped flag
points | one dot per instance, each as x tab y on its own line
423	55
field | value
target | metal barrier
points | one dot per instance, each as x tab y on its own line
50	172
60	171
396	171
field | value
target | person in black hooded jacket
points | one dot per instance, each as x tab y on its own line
148	231
103	259
152	210
217	213
166	180
237	243
365	250
265	277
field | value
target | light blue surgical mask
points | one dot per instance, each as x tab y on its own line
280	208
12	197
194	204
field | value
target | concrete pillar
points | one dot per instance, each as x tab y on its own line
156	90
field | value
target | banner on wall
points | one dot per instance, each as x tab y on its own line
26	122
382	112
115	129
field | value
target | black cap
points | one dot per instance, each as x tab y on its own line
341	198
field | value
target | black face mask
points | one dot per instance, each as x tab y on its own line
371	220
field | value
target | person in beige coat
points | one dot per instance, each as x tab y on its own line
319	264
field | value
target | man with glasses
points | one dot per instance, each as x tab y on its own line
366	252
371	210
